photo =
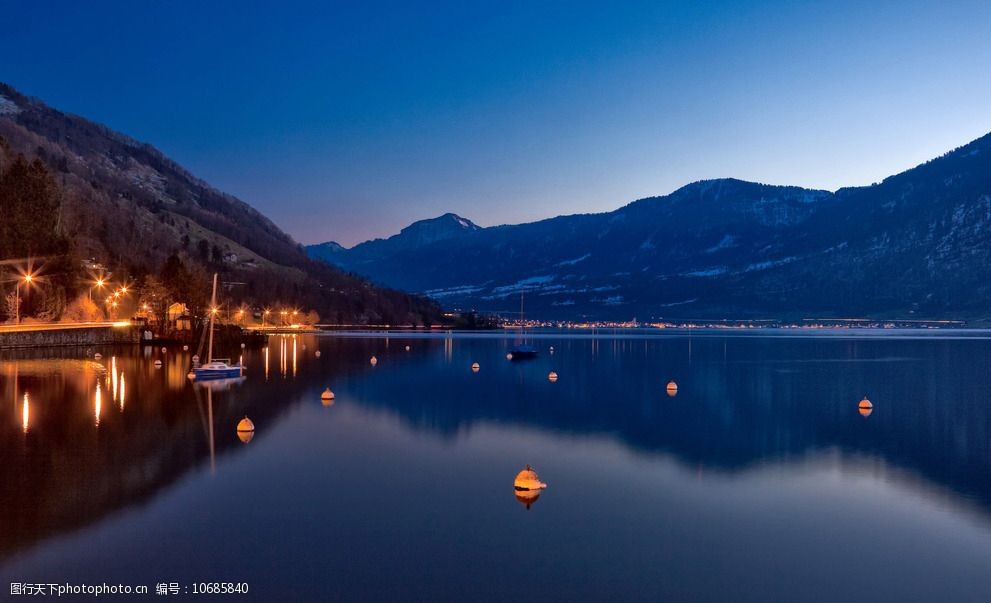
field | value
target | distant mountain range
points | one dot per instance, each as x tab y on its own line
917	244
127	206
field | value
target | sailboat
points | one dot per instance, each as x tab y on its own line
522	350
216	368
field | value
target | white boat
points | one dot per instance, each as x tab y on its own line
219	368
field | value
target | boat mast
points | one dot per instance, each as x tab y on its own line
522	321
213	305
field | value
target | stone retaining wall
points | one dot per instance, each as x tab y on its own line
68	336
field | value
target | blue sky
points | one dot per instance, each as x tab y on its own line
349	121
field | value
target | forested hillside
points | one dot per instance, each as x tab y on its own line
74	194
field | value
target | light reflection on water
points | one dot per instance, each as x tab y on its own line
760	480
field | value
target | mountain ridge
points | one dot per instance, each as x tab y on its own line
732	248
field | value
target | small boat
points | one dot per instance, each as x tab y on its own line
522	352
219	368
216	368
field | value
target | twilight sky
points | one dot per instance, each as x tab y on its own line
349	121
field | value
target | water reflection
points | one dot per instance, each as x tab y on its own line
97	404
749	413
25	412
527	497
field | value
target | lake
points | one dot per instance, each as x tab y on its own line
760	480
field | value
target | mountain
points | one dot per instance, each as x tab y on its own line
414	236
916	244
122	204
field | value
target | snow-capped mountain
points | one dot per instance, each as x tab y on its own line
916	244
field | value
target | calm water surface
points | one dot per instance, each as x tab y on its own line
758	481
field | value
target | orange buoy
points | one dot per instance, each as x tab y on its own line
407	348
528	480
475	367
865	407
245	424
317	353
552	376
671	389
373	361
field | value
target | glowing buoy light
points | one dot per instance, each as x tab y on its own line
158	364
509	356
374	361
672	389
327	394
317	353
552	376
97	355
185	348
407	348
242	346
474	367
528	480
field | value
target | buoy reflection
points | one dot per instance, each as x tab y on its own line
527	497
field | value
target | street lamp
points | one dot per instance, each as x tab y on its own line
99	283
26	279
264	316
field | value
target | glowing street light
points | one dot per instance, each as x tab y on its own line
99	283
26	279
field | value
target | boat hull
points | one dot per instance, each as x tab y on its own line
522	353
202	374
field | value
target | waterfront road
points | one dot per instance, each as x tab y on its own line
59	326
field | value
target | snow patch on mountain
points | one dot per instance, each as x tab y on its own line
725	243
574	261
769	264
8	107
451	291
714	271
